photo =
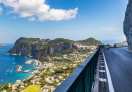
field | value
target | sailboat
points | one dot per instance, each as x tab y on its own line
18	68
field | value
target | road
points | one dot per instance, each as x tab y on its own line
119	61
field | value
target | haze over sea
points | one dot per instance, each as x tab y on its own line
8	65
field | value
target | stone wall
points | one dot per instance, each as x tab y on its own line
128	24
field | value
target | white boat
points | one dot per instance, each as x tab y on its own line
18	68
34	62
29	62
27	71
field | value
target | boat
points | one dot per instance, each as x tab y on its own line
18	68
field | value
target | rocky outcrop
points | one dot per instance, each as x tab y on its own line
128	24
42	48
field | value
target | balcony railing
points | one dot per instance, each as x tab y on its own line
82	79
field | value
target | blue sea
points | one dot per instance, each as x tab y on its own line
8	65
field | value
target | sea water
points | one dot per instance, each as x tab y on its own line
8	63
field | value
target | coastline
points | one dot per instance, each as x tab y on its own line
46	74
33	73
30	73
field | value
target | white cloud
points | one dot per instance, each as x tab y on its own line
38	10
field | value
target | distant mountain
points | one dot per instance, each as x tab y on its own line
41	48
89	41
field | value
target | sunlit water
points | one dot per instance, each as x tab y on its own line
8	65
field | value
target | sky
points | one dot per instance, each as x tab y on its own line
72	19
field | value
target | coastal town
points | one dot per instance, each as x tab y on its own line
52	71
65	45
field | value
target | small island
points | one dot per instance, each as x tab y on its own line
55	60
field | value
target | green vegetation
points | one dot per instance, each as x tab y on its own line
61	41
90	41
42	48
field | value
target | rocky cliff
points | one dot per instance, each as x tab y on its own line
128	24
41	48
